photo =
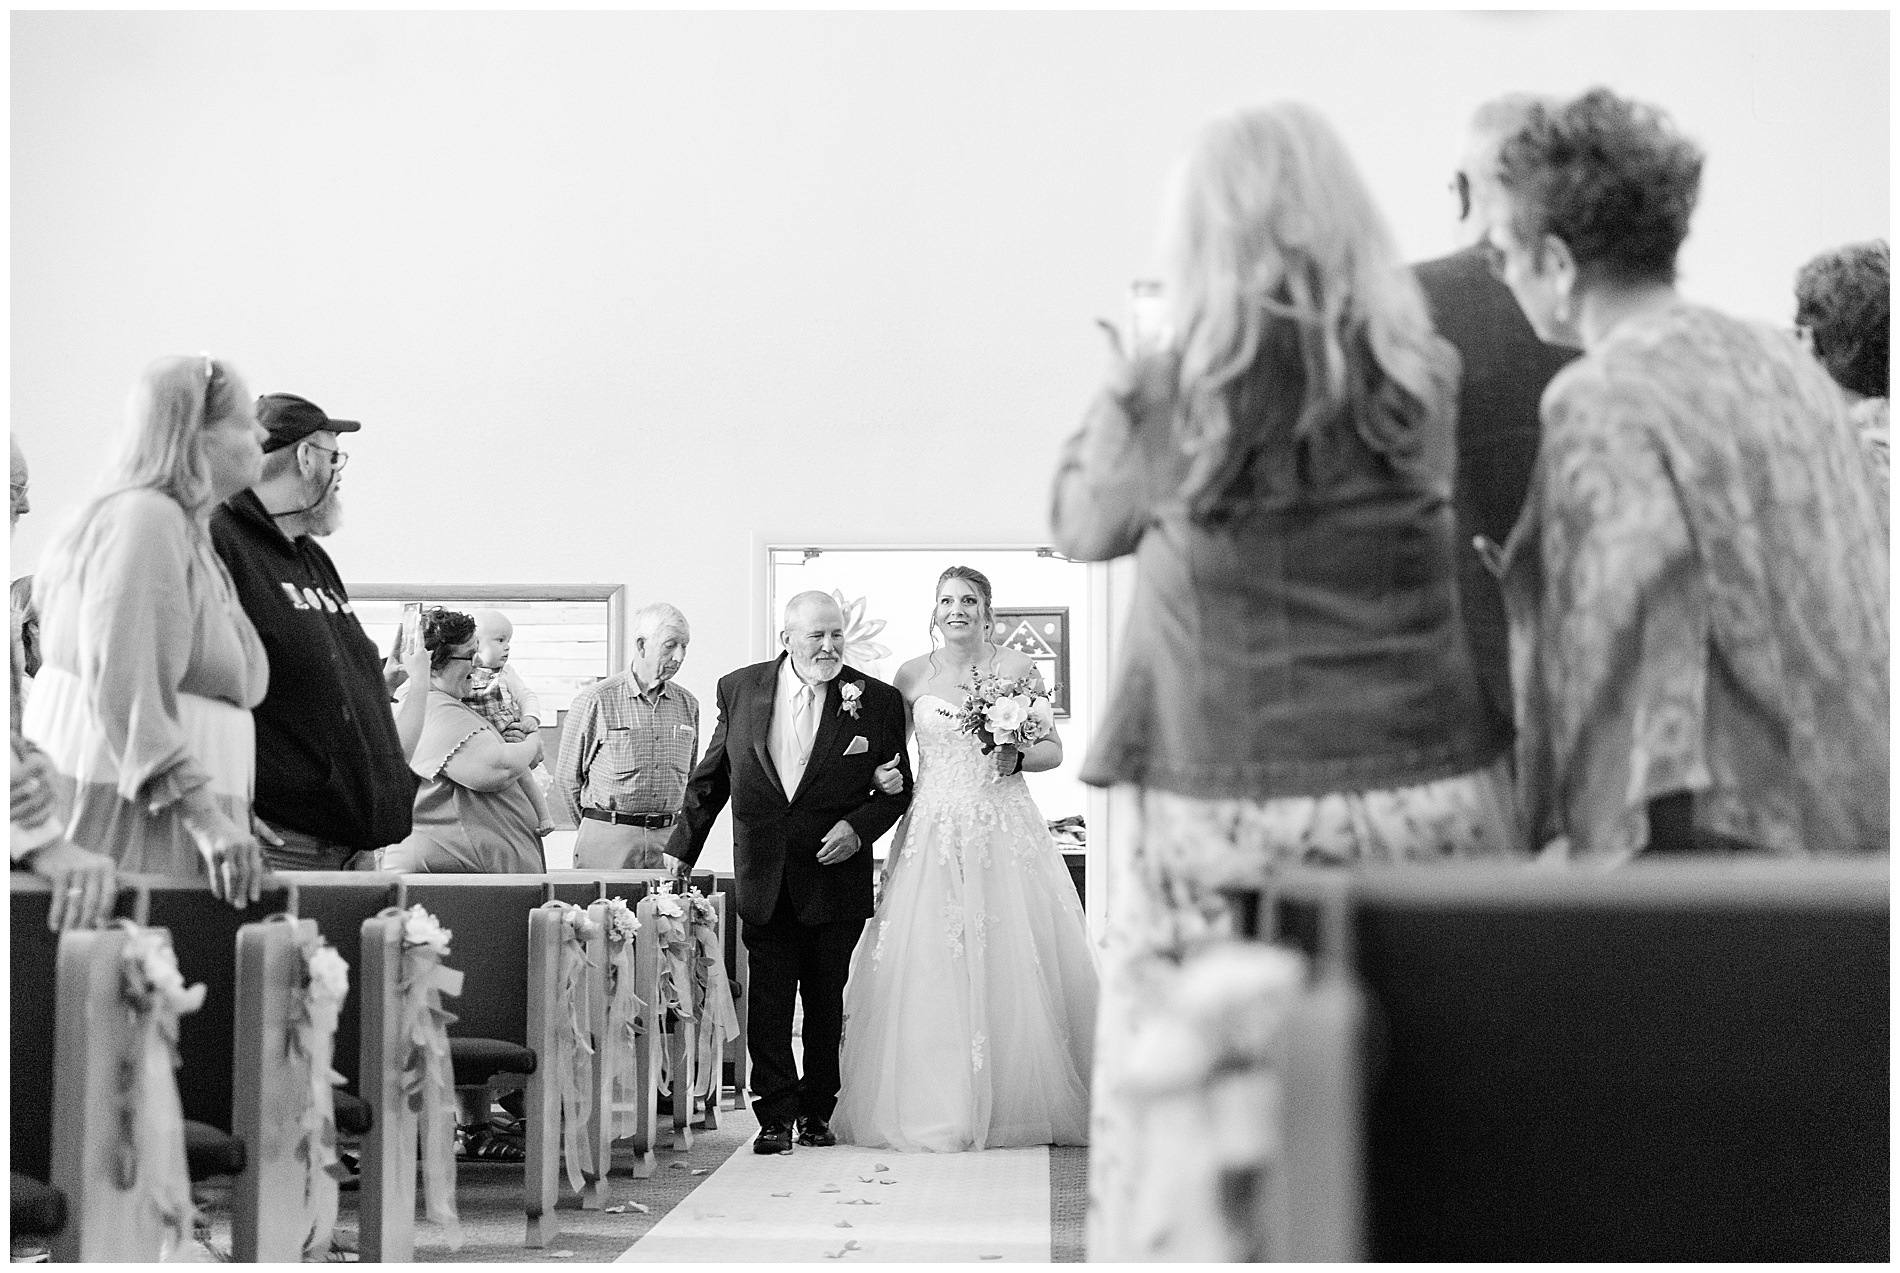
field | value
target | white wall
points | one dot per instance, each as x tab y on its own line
618	294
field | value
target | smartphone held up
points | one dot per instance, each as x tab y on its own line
1150	328
411	629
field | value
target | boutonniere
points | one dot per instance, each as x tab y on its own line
849	693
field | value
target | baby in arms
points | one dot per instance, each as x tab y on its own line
497	692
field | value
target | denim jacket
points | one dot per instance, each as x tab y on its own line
1304	640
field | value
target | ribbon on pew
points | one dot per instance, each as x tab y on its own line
428	1074
673	931
575	1043
313	1021
151	1150
718	1021
625	1018
1204	1069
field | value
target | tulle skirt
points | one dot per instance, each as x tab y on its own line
970	1011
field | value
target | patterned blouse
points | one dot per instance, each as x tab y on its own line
1698	597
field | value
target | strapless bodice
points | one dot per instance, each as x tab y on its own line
950	762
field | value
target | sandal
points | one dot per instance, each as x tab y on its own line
482	1144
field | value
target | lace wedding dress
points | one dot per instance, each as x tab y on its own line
970	1012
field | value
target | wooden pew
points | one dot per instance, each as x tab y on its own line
489	916
1672	1061
34	973
577	888
339	902
738	974
548	1011
94	1037
226	1064
271	1093
386	1199
630	887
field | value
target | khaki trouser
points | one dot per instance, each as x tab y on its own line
603	846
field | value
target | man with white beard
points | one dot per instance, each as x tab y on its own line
333	774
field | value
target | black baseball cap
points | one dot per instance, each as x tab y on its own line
290	419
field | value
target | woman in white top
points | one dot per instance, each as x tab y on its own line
151	668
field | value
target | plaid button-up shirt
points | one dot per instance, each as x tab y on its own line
625	750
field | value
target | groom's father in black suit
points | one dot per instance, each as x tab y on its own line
798	742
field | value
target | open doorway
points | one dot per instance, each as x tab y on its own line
1045	607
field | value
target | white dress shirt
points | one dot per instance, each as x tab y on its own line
789	752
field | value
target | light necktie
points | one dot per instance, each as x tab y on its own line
805	723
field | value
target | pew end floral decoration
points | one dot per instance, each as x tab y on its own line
149	1154
428	1073
718	1021
626	1014
323	985
574	1045
670	915
1208	1064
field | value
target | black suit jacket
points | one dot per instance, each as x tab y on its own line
775	833
1505	370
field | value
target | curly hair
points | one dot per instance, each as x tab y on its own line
1611	178
1841	297
442	631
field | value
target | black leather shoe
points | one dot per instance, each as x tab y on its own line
815	1132
775	1137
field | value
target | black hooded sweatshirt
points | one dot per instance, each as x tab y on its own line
329	763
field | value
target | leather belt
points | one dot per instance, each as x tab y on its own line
651	820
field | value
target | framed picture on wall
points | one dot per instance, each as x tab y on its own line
1042	634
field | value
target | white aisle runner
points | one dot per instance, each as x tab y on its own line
859	1205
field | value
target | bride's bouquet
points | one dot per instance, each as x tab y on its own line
1005	711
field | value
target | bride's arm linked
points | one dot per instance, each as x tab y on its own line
888	777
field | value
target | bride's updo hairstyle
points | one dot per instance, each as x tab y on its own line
982	585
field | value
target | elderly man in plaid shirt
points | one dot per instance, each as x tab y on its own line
627	748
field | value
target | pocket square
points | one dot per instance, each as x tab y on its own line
858	747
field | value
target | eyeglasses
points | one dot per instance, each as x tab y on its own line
339	457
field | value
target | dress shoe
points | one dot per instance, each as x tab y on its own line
816	1132
775	1137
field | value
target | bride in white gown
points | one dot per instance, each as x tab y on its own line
970	1011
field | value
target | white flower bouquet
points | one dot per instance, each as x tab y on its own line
1005	711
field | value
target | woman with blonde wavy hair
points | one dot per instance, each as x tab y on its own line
1296	686
150	666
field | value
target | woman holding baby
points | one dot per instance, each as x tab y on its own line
473	813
